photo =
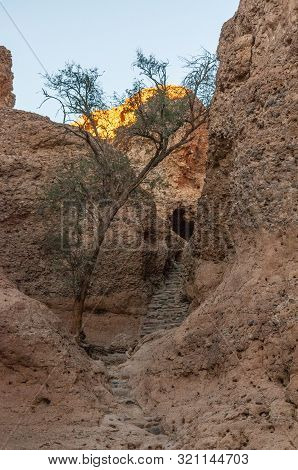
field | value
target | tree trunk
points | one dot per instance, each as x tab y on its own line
79	303
77	320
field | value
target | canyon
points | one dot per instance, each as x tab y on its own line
225	373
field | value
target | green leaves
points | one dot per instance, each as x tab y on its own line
152	69
169	108
76	90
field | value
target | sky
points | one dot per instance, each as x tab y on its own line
43	36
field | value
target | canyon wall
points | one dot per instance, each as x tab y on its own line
32	151
227	378
137	249
178	181
7	98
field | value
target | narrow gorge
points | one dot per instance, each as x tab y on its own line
191	322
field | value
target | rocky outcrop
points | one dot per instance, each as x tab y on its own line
7	98
49	387
227	378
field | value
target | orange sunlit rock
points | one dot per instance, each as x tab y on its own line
108	121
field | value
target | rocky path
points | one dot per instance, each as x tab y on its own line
168	306
128	426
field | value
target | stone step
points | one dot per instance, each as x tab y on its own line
174	314
167	308
161	313
171	321
161	326
165	318
171	302
121	392
118	383
177	296
120	386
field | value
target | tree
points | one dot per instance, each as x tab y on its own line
166	121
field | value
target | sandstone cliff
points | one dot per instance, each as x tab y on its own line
227	378
7	98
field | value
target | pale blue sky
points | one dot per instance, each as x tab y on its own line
105	34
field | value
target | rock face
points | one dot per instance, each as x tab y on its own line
32	148
178	181
136	251
48	386
251	136
7	98
227	378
